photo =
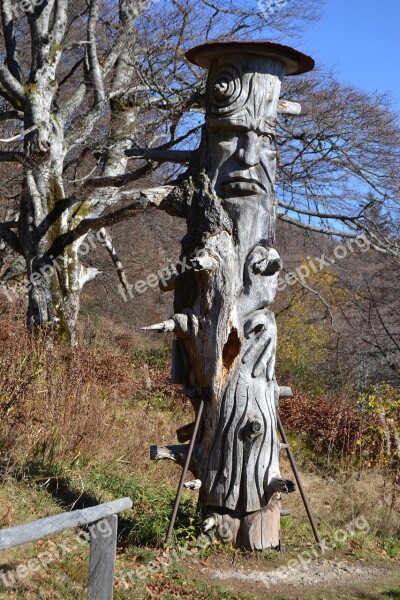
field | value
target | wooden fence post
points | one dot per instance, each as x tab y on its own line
102	560
103	521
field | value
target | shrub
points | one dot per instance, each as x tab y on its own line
53	399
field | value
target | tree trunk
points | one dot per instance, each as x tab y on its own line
55	274
54	281
226	335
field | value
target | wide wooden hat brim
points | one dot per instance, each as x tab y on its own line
295	62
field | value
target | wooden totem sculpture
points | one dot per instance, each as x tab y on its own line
225	344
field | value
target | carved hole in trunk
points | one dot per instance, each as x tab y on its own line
231	349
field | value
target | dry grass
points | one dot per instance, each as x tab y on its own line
100	409
56	405
89	417
338	501
342	454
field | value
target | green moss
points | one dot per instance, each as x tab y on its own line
56	120
30	89
55	49
82	211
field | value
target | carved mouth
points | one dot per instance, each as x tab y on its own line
244	185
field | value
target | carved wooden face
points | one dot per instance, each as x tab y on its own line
242	100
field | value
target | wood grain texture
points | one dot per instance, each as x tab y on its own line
225	345
102	561
30	532
176	453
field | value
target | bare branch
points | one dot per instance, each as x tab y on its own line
173	156
11	85
316	293
118	181
76	66
10	40
283	217
11	115
141	200
10	238
95	70
60	19
129	12
11	156
315	213
19	136
115	258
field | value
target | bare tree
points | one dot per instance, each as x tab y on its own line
81	83
88	81
350	296
370	341
339	162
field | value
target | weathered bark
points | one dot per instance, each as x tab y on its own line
55	282
226	334
51	225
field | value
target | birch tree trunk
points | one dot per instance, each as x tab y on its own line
53	223
54	282
225	333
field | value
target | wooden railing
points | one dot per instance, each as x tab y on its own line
102	547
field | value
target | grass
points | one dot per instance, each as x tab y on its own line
140	572
152	507
67	578
155	357
77	433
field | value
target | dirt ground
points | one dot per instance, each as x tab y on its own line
323	578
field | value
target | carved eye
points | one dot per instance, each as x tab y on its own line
267	138
224	91
221	88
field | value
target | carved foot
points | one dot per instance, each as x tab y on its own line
257	531
177	453
282	485
193	485
261	530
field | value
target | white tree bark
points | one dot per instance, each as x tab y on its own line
53	224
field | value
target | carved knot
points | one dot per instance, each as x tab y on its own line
252	430
269	264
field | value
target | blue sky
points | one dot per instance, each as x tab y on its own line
361	39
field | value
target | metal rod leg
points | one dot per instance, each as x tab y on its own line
298	480
184	473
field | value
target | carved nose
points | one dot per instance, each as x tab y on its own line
249	152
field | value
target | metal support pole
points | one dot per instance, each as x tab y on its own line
298	481
184	473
